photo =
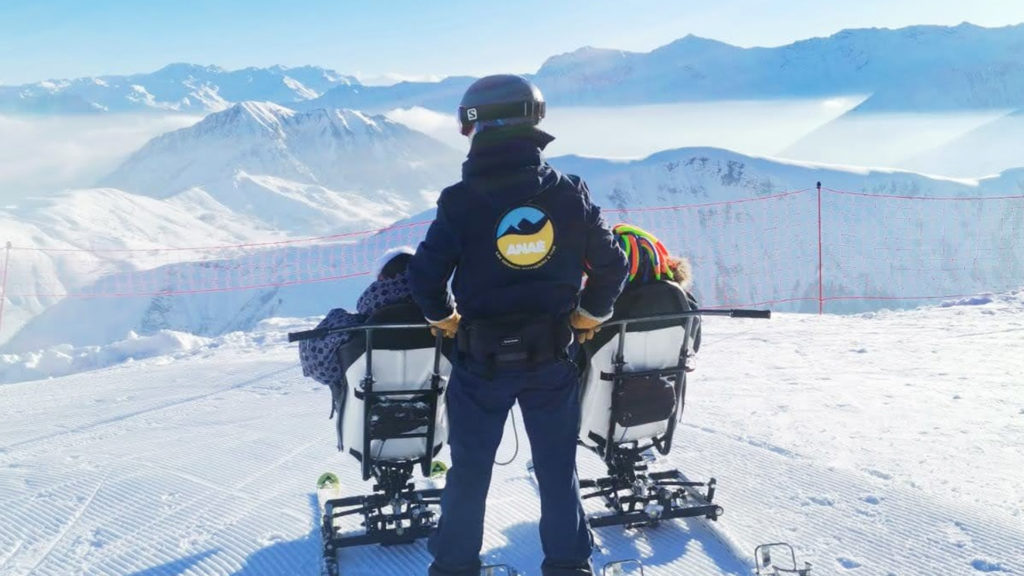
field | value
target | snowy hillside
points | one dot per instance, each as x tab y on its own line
202	308
762	249
878	243
875	444
185	88
976	67
305	172
65	240
700	175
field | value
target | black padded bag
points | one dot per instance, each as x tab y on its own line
645	398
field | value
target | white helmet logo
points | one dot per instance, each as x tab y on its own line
471	114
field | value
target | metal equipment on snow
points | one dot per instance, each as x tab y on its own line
764	564
632	494
396	512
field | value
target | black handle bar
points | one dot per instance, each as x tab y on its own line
323	332
731	313
766	314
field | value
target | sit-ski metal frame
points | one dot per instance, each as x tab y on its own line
634	495
412	513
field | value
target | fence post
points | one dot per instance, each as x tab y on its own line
3	282
821	274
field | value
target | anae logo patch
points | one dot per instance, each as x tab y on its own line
525	238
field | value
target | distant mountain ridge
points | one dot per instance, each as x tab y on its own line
180	88
933	68
919	68
913	68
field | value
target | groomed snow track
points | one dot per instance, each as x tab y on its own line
206	465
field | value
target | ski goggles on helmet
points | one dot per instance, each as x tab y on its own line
503	114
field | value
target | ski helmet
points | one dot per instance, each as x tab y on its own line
500	100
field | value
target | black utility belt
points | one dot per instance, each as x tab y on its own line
514	342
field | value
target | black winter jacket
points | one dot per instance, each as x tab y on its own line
518	235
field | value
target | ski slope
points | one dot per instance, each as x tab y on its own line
885	443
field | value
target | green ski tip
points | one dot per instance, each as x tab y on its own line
438	468
327	480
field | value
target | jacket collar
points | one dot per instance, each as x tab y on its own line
505	149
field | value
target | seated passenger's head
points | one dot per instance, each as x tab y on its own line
394	262
649	260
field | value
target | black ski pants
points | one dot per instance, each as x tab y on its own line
477	409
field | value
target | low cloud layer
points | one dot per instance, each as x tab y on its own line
443	127
45	155
764	128
756	127
962	144
392	78
913	142
48	154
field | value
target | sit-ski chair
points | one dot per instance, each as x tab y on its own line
390	410
633	393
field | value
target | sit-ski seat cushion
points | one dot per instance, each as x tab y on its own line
403	360
649	346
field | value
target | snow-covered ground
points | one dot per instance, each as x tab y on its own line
885	443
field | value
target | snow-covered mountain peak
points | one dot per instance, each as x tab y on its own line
178	87
344	119
696	44
582	56
246	118
587	58
315	74
185	69
266	119
304	172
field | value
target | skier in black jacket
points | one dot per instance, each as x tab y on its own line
519	237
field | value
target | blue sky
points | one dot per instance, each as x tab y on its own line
42	39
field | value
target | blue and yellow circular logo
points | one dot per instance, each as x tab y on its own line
526	238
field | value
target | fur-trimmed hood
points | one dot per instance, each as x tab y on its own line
683	272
